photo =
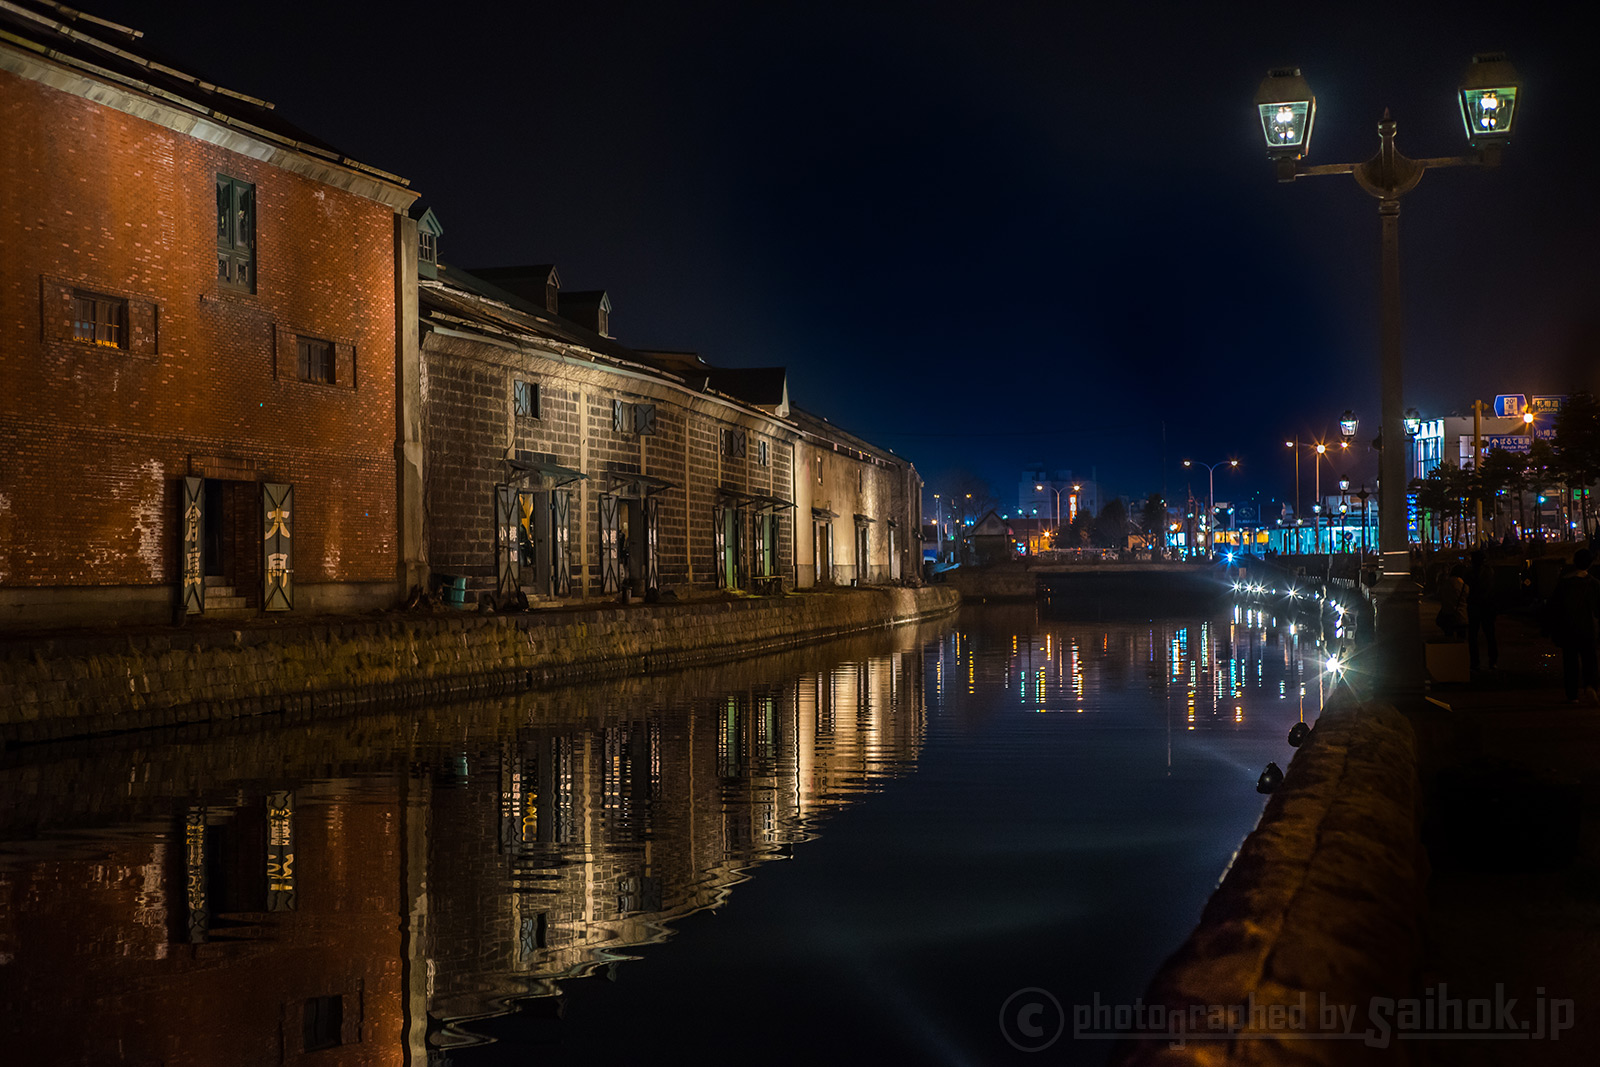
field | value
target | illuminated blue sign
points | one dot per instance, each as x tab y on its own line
1510	406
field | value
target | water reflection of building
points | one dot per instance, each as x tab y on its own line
302	897
600	835
192	945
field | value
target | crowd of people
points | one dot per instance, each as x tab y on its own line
1468	606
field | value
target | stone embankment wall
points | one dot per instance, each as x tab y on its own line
1000	581
1322	906
88	684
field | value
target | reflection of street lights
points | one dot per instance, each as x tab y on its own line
1488	97
1211	507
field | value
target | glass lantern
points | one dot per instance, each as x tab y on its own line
1287	111
1489	96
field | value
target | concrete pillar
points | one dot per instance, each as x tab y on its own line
1400	664
412	565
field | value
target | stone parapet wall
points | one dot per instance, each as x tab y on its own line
81	685
1323	905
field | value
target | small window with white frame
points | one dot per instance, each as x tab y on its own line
525	399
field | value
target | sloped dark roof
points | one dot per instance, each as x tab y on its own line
816	426
688	364
528	282
761	386
585	299
119	55
455	292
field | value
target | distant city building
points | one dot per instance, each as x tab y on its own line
1449	439
1073	494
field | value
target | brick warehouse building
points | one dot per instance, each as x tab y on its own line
560	463
201	313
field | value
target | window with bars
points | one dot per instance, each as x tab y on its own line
314	359
236	234
644	419
100	320
763	454
621	416
733	444
525	399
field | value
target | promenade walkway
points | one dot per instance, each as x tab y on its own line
1511	787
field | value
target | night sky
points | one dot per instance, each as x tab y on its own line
982	234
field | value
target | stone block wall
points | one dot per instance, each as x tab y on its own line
73	686
1324	900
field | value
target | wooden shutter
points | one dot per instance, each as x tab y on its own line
507	554
741	561
610	578
191	527
644	419
719	542
194	875
652	516
560	535
280	851
758	546
277	547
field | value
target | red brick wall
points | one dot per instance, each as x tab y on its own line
96	438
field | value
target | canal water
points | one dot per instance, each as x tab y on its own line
880	850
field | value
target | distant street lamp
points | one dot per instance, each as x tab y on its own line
1488	97
1039	489
1211	507
938	528
1361	557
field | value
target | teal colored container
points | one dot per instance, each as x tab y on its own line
454	588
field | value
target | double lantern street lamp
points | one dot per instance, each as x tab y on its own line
1211	507
1488	97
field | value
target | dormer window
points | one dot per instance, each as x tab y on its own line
428	233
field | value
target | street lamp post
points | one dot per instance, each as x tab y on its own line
1361	559
1211	504
1348	425
1295	444
938	528
1055	538
1413	426
1344	510
1488	97
1538	498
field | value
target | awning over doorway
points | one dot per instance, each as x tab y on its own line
771	503
642	485
549	474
